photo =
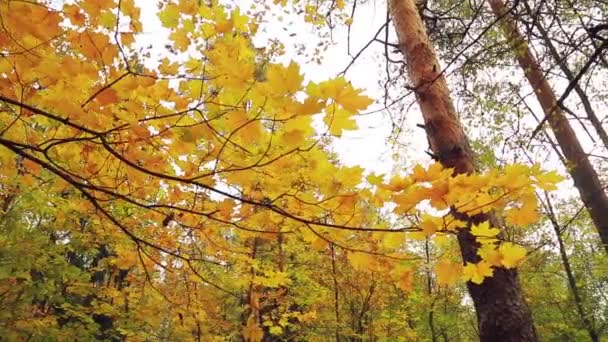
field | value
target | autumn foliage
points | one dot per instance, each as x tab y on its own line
194	194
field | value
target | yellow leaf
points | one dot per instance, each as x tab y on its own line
374	179
252	331
106	97
484	233
168	68
310	106
223	25
417	236
284	80
516	176
406	280
205	11
275	330
407	200
511	254
524	215
448	272
240	21
108	20
489	253
418	173
437	192
180	40
188	6
397	183
430	224
169	17
392	240
73	13
127	38
451	223
342	92
548	180
338	120
350	99
32	167
360	261
477	272
434	172
297	130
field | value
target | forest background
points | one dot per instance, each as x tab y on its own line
204	170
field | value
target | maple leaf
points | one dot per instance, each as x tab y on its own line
127	38
392	240
397	183
434	172
310	106
436	194
168	68
284	80
351	101
525	214
407	200
430	224
375	179
275	330
490	253
360	261
107	96
73	13
484	233
511	254
252	331
547	181
240	21
169	16
448	272
418	173
405	279
476	273
338	120
342	92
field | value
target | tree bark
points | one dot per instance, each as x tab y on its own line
336	292
582	172
502	313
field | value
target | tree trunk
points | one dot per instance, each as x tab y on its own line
502	313
582	172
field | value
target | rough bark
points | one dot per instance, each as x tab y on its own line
582	172
501	310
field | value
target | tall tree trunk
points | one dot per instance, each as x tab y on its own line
502	313
582	172
336	292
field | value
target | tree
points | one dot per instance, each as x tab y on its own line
501	310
